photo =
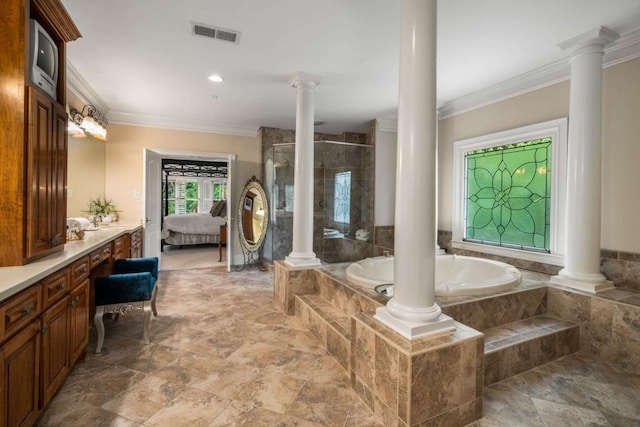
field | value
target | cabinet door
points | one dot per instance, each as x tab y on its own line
79	300
59	175
20	378
39	174
55	348
46	176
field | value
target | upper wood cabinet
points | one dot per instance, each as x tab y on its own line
46	175
33	145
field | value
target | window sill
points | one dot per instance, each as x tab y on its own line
553	259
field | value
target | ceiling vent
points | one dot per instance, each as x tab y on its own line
216	33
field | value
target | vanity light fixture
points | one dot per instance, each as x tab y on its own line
90	121
216	78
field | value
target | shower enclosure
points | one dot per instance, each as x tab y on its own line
342	200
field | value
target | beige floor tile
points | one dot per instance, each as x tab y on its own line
192	408
271	390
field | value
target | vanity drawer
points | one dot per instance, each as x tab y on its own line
136	236
99	255
55	286
19	310
79	271
120	247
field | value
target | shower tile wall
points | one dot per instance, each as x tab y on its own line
329	159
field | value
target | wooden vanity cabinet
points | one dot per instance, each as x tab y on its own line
79	303
136	244
65	326
46	175
45	330
122	247
20	358
20	378
34	138
55	360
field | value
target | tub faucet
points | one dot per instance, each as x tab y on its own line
386	254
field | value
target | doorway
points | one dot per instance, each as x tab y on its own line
153	159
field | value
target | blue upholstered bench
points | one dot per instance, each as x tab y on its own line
131	286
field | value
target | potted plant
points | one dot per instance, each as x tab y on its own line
102	209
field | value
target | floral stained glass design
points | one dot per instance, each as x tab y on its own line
342	198
508	195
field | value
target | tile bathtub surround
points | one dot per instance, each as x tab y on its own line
384	236
435	380
623	268
609	322
288	282
485	313
329	285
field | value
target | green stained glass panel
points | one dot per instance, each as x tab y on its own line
508	195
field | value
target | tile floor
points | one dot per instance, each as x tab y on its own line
222	354
195	256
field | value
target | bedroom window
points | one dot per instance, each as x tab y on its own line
509	187
194	195
219	191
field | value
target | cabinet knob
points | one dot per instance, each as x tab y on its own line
61	285
27	310
43	330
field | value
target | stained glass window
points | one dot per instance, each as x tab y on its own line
342	197
508	195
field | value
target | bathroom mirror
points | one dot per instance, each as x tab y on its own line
253	218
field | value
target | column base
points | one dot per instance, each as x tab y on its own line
591	283
411	330
302	260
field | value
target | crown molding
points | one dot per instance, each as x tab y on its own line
626	48
118	117
80	88
600	36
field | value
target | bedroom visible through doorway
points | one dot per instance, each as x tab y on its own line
194	212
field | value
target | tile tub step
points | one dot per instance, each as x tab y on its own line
522	345
329	325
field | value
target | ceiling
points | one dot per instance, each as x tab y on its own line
140	63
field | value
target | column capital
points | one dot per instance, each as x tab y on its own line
301	79
596	39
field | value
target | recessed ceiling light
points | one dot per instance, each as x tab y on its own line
216	78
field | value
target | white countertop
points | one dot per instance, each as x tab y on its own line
15	279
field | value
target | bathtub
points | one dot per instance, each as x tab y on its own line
455	275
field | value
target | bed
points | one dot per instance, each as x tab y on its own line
194	228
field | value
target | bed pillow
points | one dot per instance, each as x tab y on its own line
218	208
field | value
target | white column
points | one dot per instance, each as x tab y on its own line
583	204
302	250
413	311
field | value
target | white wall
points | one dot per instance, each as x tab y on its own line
385	175
621	146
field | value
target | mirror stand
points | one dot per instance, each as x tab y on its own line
253	219
250	258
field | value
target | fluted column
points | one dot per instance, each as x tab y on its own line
302	250
413	311
583	205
